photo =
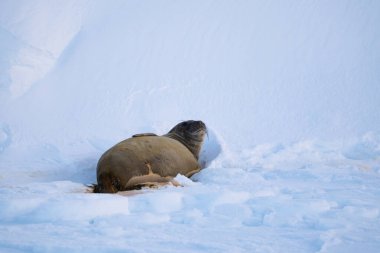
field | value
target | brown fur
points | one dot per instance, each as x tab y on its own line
147	159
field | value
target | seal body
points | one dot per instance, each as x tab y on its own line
147	159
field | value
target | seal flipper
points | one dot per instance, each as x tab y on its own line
155	184
90	188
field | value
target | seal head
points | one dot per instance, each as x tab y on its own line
191	134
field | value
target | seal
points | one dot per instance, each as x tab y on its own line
148	159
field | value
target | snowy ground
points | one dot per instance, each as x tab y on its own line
289	91
305	197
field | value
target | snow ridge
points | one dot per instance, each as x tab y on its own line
289	91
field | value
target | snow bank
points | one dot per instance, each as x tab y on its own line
35	35
255	72
289	91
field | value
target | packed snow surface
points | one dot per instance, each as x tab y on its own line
289	90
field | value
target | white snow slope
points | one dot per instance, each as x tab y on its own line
290	92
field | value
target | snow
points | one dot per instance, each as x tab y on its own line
289	90
304	198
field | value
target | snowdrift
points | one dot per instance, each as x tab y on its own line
256	72
289	90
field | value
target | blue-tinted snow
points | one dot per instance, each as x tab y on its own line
289	90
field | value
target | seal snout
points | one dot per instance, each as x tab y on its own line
197	123
201	127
